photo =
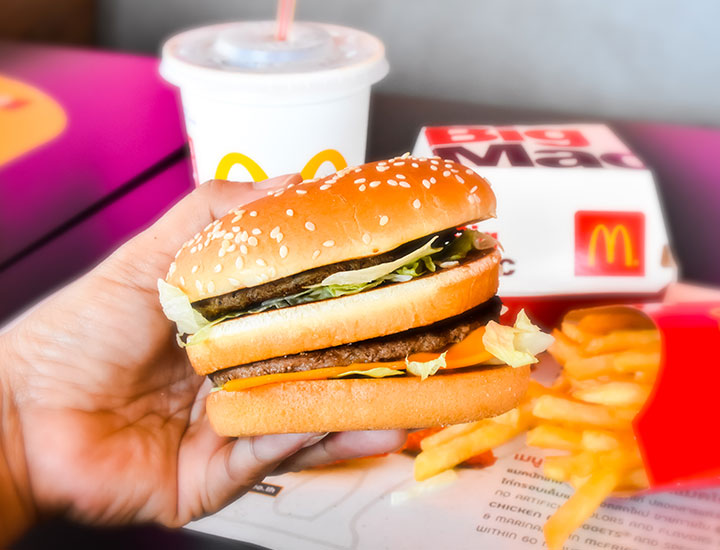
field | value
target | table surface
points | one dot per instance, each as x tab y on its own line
684	159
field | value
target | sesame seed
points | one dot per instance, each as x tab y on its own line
383	220
310	226
239	262
433	180
316	254
256	231
289	212
283	251
325	187
252	241
244	236
275	231
238	238
415	165
366	238
405	184
469	172
217	268
374	183
221	253
459	179
473	189
454	170
433	167
416	203
260	262
434	161
398	163
253	213
243	249
328	244
400	176
193	250
392	182
279	237
360	180
300	191
237	218
233	282
362	187
194	269
382	168
278	193
426	184
225	244
446	173
405	155
236	229
228	236
172	269
231	248
198	285
211	286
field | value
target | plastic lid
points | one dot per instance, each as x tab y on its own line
316	62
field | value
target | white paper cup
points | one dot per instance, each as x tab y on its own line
255	107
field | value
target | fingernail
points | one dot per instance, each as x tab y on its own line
271	448
278	181
315	439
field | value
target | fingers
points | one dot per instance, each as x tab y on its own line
214	471
343	446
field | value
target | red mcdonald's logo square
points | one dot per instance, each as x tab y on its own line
609	243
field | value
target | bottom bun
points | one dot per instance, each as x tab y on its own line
367	404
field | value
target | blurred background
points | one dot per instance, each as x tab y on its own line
639	59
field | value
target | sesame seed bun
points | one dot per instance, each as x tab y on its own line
367	404
358	212
319	325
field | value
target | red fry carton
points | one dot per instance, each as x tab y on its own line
578	213
675	429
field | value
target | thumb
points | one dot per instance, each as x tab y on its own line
152	251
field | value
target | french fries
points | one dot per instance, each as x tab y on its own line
610	359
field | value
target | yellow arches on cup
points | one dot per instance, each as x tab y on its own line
258	174
231	159
328	155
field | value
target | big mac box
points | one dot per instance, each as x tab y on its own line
599	235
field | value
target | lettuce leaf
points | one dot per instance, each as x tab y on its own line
423	369
176	306
375	272
378	372
516	346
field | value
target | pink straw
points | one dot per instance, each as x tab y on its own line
285	15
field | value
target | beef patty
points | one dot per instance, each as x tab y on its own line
246	298
393	347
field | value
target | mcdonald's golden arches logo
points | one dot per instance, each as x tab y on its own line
609	243
258	174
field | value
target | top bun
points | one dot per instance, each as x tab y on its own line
360	211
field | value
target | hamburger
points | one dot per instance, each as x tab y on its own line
361	300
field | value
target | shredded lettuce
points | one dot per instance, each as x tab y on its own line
423	369
516	346
378	372
176	306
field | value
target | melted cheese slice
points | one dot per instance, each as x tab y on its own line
467	353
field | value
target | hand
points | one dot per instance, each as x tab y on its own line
112	414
